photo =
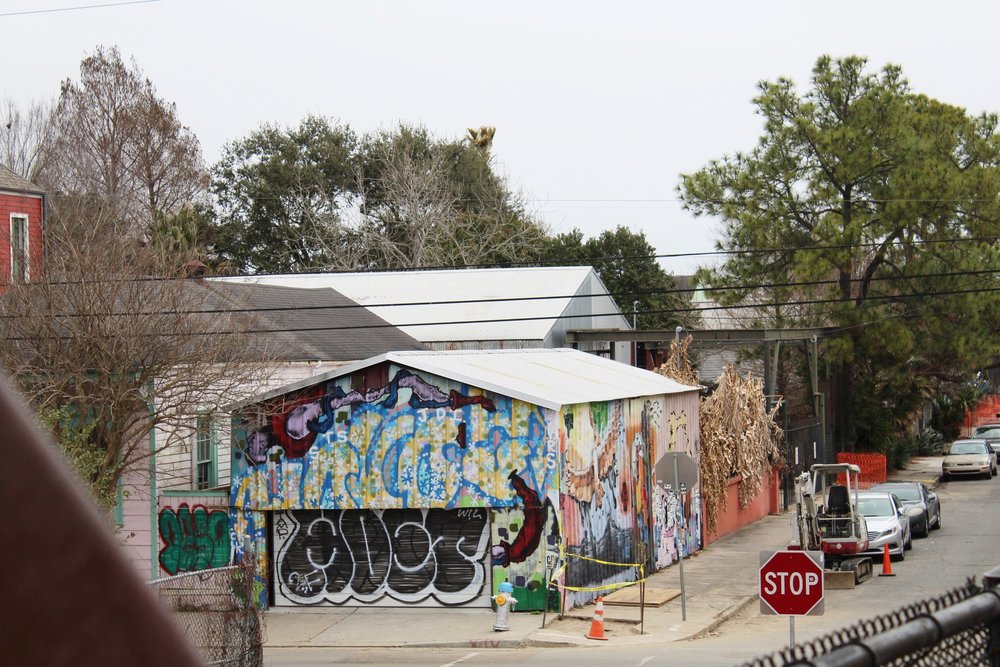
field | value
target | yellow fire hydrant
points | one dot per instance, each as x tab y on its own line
505	602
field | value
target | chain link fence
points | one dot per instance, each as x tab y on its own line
218	612
958	628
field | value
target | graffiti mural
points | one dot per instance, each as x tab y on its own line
407	556
525	549
194	538
413	442
612	516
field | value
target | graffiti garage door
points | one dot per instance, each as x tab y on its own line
383	557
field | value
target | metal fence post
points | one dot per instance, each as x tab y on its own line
991	579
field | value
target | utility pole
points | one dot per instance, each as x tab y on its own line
635	344
677	346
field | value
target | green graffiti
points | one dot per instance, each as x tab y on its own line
194	539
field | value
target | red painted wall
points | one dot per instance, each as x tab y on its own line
768	501
33	206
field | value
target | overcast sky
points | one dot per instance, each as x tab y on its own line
599	106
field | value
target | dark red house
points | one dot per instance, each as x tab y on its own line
22	216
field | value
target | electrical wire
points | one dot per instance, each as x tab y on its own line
515	299
387	325
77	8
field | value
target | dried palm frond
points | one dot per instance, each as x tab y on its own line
739	437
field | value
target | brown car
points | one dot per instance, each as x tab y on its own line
972	456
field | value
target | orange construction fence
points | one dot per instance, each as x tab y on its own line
873	466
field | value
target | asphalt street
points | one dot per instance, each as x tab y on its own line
723	625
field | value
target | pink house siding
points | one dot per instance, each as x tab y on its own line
136	530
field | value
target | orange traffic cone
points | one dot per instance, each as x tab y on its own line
597	626
886	562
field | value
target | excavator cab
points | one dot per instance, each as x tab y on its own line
828	518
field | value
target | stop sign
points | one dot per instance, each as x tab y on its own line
791	582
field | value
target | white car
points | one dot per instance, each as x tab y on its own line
888	523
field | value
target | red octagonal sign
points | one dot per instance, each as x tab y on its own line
791	582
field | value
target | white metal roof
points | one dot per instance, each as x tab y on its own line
550	378
499	304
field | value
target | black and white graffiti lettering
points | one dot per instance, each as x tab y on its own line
408	555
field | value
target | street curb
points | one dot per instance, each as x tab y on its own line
725	615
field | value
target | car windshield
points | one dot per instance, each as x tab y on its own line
909	492
988	432
875	506
967	448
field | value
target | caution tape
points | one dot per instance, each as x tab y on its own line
553	581
602	562
607	587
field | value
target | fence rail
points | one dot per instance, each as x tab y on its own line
960	627
217	611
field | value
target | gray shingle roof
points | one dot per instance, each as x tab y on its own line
313	324
11	181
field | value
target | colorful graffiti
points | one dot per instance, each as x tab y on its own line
408	555
611	514
412	442
439	449
525	551
194	539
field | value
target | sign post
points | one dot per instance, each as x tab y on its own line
791	584
677	472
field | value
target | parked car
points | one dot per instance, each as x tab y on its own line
972	456
990	433
888	523
916	494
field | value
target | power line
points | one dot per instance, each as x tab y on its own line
516	299
387	325
77	8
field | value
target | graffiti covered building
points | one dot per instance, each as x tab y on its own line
429	478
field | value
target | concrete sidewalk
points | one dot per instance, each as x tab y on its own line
719	582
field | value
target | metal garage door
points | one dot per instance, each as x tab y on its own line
429	557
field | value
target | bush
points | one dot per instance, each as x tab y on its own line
900	450
929	442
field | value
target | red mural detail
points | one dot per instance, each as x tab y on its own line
295	446
530	534
460	401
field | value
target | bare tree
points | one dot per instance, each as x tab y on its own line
119	343
425	202
114	138
420	204
24	133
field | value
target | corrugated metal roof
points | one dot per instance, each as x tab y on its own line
489	297
550	378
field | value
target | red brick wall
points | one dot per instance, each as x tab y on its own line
32	205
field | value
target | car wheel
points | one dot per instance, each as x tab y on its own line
987	475
944	477
902	554
908	544
937	524
925	528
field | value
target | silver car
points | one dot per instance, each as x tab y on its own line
888	523
972	456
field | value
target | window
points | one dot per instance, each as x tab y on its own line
205	462
18	247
